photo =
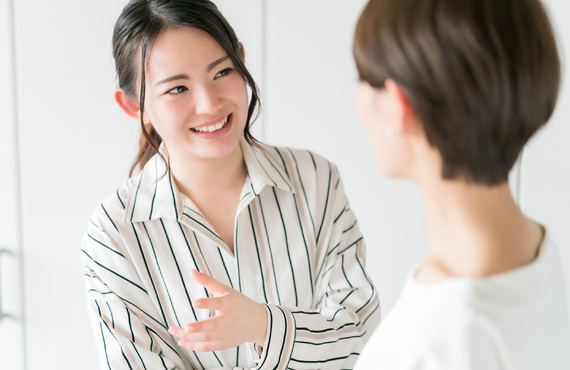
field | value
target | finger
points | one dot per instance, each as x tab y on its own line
213	285
211	303
205	346
204	326
176	331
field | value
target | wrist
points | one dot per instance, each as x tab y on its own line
261	320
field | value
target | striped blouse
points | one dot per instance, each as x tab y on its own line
298	250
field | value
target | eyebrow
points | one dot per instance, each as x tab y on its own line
184	76
216	62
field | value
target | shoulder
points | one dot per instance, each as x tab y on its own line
111	213
461	337
301	164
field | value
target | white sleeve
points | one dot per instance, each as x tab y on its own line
129	332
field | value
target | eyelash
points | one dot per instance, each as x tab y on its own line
181	89
177	90
225	72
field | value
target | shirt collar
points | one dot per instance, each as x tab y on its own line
265	167
153	192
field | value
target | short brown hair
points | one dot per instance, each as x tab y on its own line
482	75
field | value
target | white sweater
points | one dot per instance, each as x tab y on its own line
515	320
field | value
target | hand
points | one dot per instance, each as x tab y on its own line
237	319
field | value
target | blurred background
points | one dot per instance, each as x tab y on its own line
65	146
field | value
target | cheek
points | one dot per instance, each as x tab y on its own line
369	111
166	118
367	115
236	92
366	110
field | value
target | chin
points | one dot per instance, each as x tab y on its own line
218	150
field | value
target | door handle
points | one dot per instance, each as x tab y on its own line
2	251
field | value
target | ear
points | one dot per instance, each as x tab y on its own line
402	109
129	104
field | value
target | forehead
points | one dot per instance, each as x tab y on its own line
182	49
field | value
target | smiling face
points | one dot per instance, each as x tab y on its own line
195	99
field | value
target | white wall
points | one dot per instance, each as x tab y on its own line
545	173
65	146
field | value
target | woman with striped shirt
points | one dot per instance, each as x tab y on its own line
221	252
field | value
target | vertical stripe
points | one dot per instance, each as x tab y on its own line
270	252
326	205
303	188
311	282
225	267
112	333
155	188
178	267
162	275
137	195
258	256
112	317
344	273
288	251
149	275
173	194
103	335
236	252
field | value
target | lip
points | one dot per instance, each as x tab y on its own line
215	134
213	122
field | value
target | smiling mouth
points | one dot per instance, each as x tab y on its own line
211	128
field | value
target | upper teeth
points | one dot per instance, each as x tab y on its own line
211	128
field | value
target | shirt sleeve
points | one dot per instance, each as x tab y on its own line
129	332
331	334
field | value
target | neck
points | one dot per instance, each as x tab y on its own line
476	230
196	177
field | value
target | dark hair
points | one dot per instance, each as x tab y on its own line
481	75
138	26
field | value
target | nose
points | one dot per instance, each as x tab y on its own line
207	100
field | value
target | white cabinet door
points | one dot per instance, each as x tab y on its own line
75	148
11	315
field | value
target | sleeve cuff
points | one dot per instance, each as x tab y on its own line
280	340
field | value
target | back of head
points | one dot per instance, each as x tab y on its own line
481	75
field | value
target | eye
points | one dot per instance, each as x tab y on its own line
224	72
177	90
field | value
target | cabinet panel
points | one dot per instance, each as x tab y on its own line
11	315
75	149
